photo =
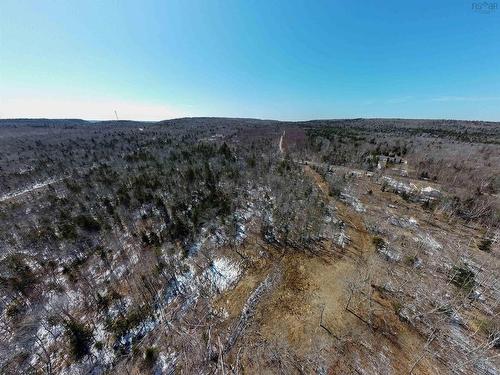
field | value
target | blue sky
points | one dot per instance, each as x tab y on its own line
266	59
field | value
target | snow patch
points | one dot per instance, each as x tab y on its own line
428	241
389	254
403	222
353	201
106	355
222	273
343	238
166	363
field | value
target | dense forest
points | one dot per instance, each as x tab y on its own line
205	245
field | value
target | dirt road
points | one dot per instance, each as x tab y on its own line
281	142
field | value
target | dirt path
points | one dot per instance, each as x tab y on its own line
360	238
281	142
36	186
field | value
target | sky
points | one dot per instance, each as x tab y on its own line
285	60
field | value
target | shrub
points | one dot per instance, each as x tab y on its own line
424	175
122	325
410	260
492	329
397	307
123	196
73	186
80	338
150	356
88	223
14	310
226	151
463	277
334	191
336	185
445	309
485	245
21	277
150	239
67	231
378	242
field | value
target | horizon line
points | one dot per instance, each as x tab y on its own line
245	118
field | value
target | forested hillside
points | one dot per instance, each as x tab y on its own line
217	245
